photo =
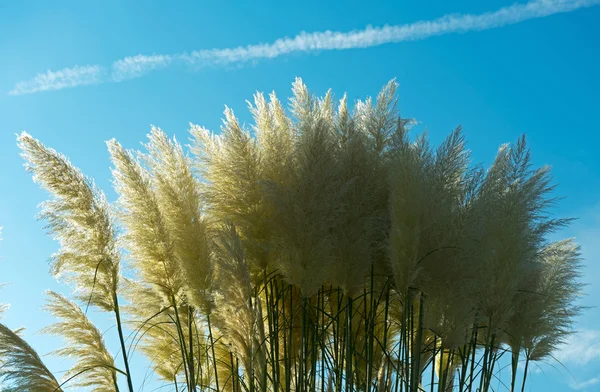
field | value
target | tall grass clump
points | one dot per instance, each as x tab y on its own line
323	248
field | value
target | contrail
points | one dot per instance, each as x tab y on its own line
136	66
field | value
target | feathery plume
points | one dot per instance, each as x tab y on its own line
21	368
553	301
230	164
238	315
148	237
178	196
156	334
375	256
94	366
79	218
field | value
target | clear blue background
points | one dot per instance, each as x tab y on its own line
539	77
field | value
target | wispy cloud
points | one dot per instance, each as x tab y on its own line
136	66
56	80
580	348
585	385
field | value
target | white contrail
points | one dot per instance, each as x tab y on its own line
136	66
56	80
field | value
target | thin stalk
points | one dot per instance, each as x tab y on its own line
252	353
183	346
261	349
493	362
122	341
270	316
490	365
449	372
191	335
234	374
350	351
514	363
199	368
433	363
385	332
441	369
465	361
485	356
371	336
365	345
288	355
183	351
417	370
408	343
474	348
115	383
402	355
316	337
277	371
323	341
302	377
525	373
339	345
212	346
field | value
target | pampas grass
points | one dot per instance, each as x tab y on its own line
322	248
84	343
22	369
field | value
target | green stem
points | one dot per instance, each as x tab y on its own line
485	356
115	382
191	357
122	341
490	366
303	349
275	296
514	363
183	346
473	352
433	363
417	352
270	321
441	369
385	334
233	373
349	352
525	374
212	346
339	342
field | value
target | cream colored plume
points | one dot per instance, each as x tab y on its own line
147	236
94	366
21	368
79	217
178	197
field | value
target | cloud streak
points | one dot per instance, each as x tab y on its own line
137	66
584	385
56	80
580	348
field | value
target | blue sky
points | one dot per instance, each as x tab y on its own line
75	74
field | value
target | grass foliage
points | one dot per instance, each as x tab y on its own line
322	248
